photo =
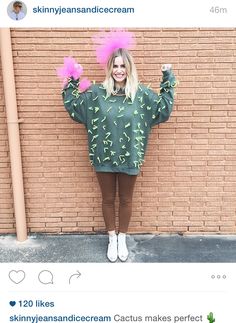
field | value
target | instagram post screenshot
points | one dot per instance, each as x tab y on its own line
117	161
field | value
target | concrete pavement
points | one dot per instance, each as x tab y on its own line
144	248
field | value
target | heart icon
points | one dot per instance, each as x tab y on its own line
17	276
12	303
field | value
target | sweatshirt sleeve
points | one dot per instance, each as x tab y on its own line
162	103
75	102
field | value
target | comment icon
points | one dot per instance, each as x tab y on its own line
45	277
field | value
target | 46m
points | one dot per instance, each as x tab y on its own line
218	10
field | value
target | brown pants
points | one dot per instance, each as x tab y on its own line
107	182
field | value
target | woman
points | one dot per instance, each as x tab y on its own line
118	115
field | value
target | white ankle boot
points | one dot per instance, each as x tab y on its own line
122	247
112	248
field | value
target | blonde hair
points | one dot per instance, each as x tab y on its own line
131	85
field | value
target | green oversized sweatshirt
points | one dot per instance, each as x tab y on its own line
118	128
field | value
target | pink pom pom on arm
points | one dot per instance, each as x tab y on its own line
70	69
84	85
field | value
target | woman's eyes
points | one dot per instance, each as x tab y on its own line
116	66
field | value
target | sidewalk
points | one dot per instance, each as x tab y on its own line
143	248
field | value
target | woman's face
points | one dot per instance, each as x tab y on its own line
119	73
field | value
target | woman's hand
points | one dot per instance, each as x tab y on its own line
70	69
166	67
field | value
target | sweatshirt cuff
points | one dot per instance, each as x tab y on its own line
168	80
167	74
70	82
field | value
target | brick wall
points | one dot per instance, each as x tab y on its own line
188	182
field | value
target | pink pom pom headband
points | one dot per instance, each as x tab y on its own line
108	42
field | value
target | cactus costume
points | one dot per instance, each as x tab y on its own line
118	128
118	125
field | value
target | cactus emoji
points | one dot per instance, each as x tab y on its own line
210	317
